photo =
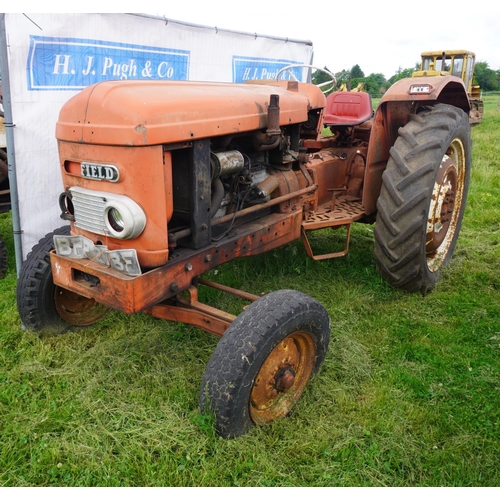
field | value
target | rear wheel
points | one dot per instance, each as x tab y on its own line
45	307
262	364
422	200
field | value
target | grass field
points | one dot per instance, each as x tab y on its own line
409	394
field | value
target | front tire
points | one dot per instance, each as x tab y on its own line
262	364
45	307
423	196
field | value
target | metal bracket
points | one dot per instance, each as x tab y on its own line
332	255
188	309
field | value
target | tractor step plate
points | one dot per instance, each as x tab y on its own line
345	210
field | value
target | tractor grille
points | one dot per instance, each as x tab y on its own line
89	211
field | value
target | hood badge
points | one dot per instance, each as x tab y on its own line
100	172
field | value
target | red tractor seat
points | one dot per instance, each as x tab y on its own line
347	109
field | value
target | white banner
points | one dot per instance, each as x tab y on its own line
53	56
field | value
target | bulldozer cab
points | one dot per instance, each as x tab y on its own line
459	63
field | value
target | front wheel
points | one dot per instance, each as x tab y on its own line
422	200
45	307
262	364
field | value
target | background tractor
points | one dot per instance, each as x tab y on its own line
459	63
164	181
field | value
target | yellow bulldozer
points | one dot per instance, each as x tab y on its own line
459	63
360	87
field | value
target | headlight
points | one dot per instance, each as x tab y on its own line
124	218
115	220
108	214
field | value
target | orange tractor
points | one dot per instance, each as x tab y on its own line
164	181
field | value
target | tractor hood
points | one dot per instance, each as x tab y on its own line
140	113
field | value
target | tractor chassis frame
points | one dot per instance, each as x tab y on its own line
171	291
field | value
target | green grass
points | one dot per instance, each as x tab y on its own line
409	394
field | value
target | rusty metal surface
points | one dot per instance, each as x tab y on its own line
191	311
300	194
141	113
227	289
150	192
188	309
392	113
261	206
134	294
282	378
439	86
389	117
77	310
445	205
339	212
331	255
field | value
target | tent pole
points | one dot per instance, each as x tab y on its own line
9	130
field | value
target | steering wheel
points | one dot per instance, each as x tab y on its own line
332	82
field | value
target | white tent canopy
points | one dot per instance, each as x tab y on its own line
47	58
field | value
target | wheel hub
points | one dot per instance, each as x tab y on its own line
282	378
445	206
77	310
442	205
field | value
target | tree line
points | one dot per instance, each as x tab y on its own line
376	83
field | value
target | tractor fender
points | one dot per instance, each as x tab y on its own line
431	89
405	97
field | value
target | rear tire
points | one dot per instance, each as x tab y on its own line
423	196
264	361
44	307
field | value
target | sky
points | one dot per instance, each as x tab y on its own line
381	36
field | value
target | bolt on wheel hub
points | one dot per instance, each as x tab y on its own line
442	205
77	310
445	205
282	378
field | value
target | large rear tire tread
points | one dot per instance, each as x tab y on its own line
407	188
